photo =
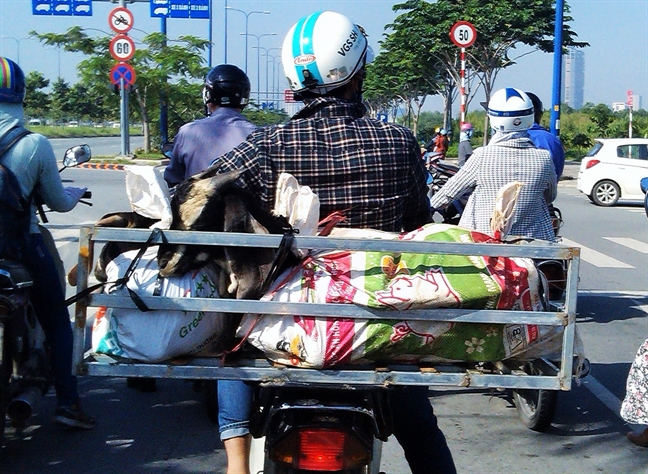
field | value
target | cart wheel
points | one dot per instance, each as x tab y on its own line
536	408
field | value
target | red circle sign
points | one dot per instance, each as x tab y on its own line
122	71
120	20
122	48
463	34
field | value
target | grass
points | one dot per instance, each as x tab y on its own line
83	131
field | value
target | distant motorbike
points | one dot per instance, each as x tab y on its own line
25	374
439	174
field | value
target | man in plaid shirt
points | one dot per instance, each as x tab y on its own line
370	171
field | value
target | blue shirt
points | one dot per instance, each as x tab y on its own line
198	142
542	138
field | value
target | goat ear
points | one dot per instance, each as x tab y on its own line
223	180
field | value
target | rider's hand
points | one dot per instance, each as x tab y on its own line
75	193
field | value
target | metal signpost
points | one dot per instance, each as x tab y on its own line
463	34
629	102
122	74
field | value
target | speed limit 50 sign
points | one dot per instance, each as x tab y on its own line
463	34
122	47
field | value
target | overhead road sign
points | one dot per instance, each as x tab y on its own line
120	20
180	8
123	71
122	47
62	7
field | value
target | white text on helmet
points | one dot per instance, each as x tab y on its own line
348	44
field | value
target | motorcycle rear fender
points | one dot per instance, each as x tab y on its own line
275	407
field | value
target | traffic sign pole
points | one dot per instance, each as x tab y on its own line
123	93
463	34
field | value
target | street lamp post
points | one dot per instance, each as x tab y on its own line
258	48
276	84
247	17
268	56
17	40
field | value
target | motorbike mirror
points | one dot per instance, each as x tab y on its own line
76	155
167	149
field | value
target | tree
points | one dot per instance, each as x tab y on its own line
422	32
601	115
164	72
62	108
37	103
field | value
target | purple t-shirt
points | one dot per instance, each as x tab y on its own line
198	143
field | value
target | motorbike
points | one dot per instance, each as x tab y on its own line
25	375
439	173
319	429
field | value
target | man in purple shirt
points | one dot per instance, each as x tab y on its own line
226	93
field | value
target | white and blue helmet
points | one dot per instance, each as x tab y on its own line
510	110
323	51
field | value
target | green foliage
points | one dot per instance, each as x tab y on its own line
37	102
418	58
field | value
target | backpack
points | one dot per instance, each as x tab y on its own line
15	210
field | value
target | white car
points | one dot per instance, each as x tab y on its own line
612	170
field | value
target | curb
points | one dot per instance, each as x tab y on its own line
120	166
101	166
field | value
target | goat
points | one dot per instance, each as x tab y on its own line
110	250
211	202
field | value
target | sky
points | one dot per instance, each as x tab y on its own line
616	60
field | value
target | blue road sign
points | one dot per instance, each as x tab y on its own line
62	7
124	71
180	8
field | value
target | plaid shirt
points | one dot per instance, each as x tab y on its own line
370	170
491	167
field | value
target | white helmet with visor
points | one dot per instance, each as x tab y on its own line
510	110
323	51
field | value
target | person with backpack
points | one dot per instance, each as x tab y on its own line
29	158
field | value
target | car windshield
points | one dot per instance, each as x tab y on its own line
595	149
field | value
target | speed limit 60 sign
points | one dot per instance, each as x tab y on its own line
463	34
122	47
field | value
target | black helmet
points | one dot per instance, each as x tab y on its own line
12	82
226	85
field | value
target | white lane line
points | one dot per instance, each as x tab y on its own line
630	243
595	258
603	394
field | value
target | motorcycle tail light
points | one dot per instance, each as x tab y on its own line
591	163
321	449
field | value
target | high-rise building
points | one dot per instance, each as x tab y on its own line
573	78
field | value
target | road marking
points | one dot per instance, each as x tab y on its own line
630	243
603	394
595	258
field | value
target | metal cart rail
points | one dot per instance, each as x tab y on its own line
262	370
